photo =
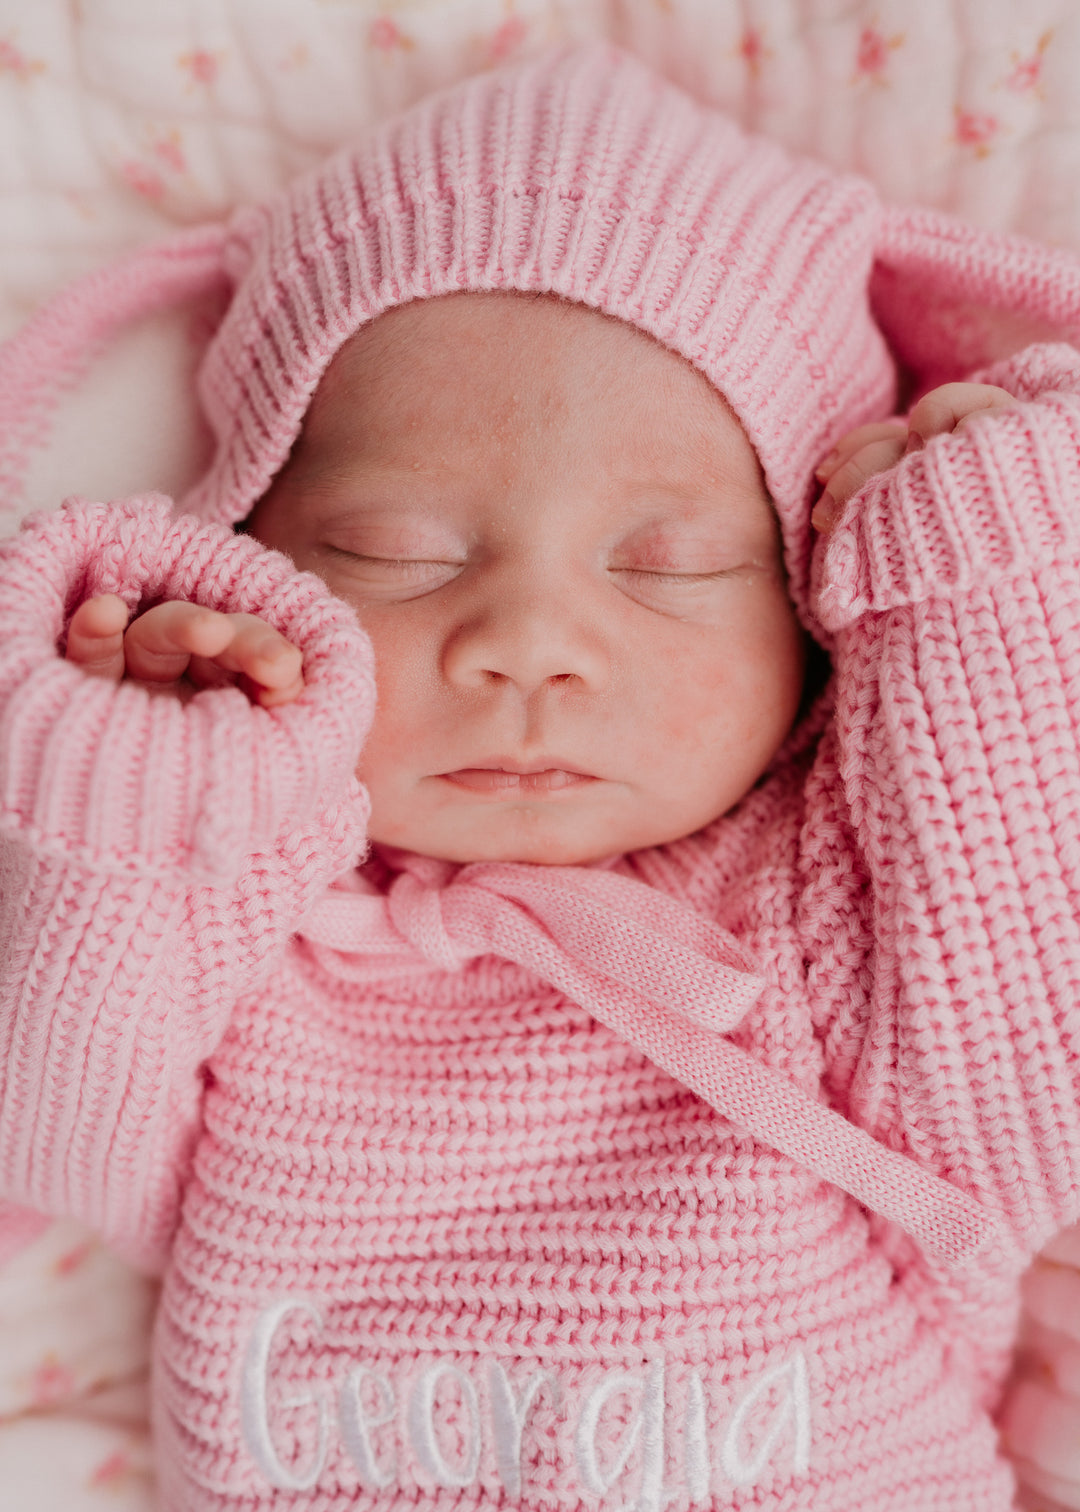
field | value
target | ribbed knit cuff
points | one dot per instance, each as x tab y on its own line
136	778
998	496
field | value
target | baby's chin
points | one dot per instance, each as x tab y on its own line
537	850
541	839
572	826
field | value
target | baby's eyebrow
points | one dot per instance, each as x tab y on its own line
422	487
321	471
417	518
663	503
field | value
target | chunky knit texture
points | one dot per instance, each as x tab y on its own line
438	1221
580	174
706	1175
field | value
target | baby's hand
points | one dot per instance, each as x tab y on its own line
873	448
176	640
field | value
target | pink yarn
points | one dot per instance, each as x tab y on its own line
707	1178
617	952
18	1228
584	175
441	1192
56	347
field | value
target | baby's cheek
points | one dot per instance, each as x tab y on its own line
690	723
743	696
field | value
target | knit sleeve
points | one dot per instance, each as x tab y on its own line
155	852
953	593
998	495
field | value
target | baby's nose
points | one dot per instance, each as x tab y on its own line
529	639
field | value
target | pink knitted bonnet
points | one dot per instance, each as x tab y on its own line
584	175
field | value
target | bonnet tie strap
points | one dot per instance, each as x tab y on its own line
59	342
669	983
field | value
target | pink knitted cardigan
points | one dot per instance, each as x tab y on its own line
704	1176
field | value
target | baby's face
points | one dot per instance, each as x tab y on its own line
557	536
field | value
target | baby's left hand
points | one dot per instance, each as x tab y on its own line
874	448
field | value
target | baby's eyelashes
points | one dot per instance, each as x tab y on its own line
390	564
390	576
676	578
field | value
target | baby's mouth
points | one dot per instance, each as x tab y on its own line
509	778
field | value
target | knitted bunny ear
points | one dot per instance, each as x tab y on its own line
951	298
60	341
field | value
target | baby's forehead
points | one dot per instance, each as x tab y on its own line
481	368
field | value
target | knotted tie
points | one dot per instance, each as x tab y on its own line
665	980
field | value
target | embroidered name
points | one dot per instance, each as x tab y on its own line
652	1434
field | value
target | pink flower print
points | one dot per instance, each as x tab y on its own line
113	1470
50	1383
201	66
752	50
298	56
80	203
145	180
387	35
72	1259
1026	75
976	129
14	61
873	52
168	149
508	38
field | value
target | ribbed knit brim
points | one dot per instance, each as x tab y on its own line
583	175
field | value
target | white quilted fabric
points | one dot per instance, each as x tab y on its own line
123	119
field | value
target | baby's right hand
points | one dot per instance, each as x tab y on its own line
873	448
178	640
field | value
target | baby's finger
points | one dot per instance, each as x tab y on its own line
204	672
95	638
944	409
161	642
269	665
847	446
852	474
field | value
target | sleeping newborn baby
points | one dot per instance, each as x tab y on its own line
629	1057
540	515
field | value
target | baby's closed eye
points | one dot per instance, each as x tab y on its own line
691	561
387	560
409	566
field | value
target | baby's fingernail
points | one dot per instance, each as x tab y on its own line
914	442
826	513
272	650
272	698
827	464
